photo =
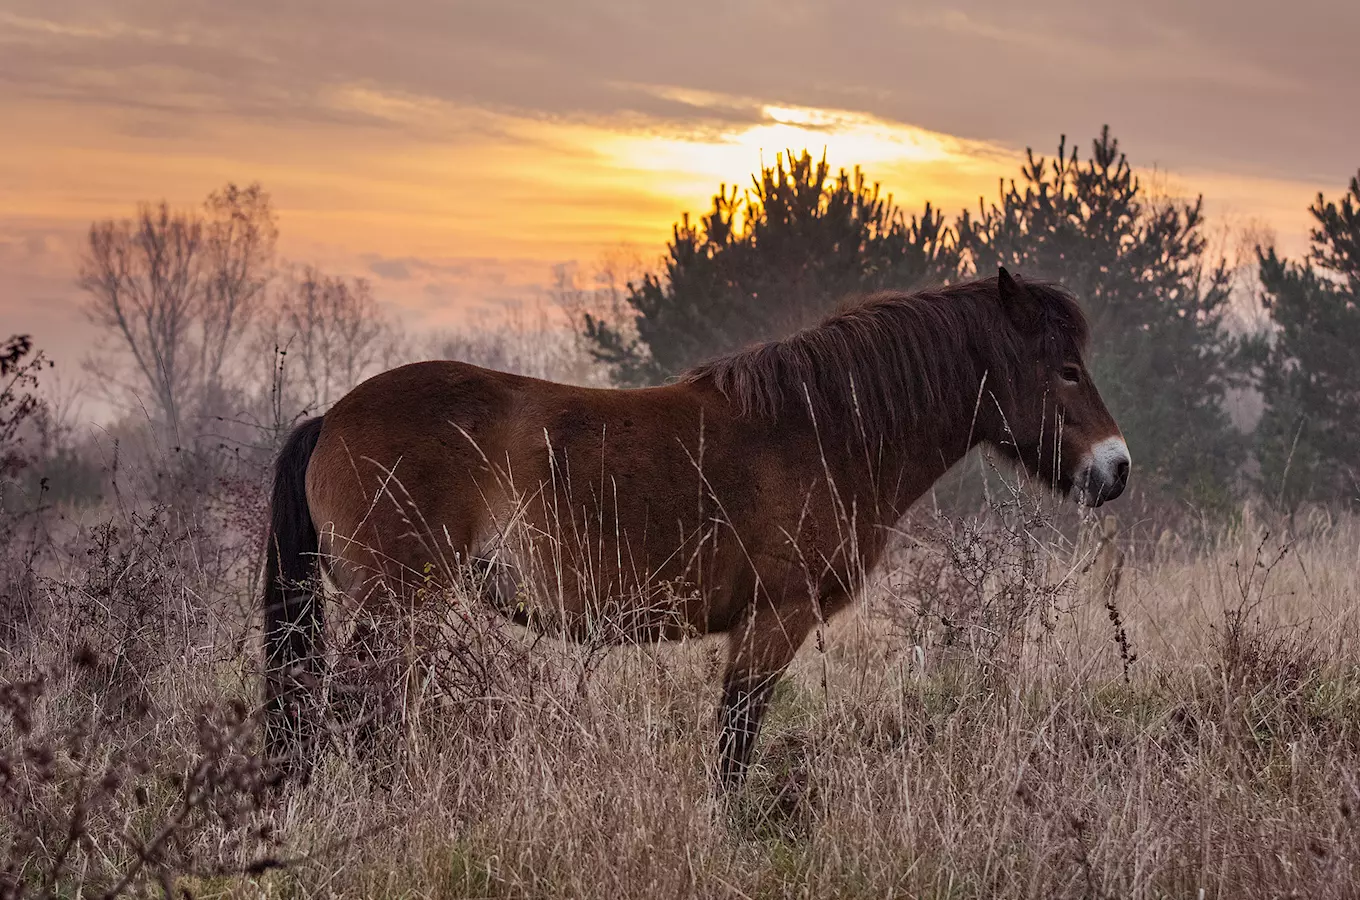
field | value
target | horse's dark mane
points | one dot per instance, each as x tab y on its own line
899	360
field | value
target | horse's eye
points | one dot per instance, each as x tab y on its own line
1071	374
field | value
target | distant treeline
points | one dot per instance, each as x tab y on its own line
212	347
780	254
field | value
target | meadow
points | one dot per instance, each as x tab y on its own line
1022	703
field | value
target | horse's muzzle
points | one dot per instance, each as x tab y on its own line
1104	473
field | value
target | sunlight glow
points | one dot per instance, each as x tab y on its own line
684	164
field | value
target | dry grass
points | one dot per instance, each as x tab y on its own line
972	729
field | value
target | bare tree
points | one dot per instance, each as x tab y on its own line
177	291
239	242
144	277
334	329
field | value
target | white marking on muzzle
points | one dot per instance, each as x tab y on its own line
1099	475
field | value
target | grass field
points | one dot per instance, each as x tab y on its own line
986	722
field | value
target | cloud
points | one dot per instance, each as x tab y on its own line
391	269
1214	83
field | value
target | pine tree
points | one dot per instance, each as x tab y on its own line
768	262
1156	304
1309	437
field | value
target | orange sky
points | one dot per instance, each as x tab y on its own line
456	193
479	220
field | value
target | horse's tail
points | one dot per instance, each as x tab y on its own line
293	621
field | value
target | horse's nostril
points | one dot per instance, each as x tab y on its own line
1121	471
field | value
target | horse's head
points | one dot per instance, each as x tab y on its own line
1052	419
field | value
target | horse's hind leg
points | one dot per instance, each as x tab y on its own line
388	659
361	698
762	646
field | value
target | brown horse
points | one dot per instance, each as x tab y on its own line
748	498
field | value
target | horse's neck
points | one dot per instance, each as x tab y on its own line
923	465
894	474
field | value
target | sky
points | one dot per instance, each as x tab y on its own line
454	152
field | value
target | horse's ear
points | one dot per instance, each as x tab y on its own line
1017	301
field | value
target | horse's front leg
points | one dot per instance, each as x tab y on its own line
762	646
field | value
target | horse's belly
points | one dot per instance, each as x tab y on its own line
590	601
